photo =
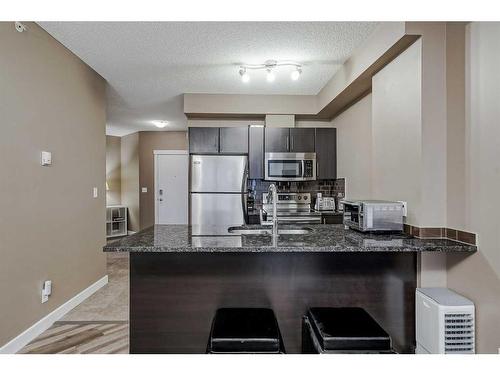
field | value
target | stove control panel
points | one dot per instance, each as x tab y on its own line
303	198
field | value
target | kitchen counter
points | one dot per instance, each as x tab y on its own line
322	239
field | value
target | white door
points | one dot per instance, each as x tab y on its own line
171	187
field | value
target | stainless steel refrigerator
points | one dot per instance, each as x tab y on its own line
218	193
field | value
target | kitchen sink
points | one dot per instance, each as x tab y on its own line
268	231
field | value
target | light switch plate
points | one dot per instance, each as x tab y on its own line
95	192
46	158
144	190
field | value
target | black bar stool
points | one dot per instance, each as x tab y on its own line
245	330
343	330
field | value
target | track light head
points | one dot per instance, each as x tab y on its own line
270	77
245	77
296	74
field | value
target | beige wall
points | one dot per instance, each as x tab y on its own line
280	121
354	133
113	170
478	276
455	142
50	225
237	104
396	131
148	142
433	121
222	122
130	179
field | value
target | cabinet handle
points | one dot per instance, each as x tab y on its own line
317	168
287	144
291	138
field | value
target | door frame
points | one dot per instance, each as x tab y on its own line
156	153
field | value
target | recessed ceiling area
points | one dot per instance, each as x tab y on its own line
149	65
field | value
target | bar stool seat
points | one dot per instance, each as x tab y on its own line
245	330
343	330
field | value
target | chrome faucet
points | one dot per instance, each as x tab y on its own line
273	194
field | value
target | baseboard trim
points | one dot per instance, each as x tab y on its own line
20	341
129	232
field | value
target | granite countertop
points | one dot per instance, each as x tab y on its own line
322	238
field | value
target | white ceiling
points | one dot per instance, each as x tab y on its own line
149	65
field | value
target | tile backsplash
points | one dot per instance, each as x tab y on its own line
328	188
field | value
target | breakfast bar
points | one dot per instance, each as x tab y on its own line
180	276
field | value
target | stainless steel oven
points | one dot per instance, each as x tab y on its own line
292	208
290	166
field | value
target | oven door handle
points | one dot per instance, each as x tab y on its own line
304	218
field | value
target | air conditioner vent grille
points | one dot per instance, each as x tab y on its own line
459	333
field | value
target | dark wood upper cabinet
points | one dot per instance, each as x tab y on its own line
256	152
233	140
277	139
326	153
204	140
289	139
302	139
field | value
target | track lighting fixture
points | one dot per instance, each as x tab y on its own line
270	67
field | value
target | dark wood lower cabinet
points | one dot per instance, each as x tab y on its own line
174	296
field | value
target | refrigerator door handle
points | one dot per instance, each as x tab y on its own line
244	203
244	206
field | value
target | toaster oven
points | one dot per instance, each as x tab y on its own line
373	215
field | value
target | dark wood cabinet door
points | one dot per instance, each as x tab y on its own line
277	139
256	152
326	153
203	140
302	140
233	140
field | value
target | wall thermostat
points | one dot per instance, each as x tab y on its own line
46	158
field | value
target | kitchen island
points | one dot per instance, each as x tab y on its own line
179	277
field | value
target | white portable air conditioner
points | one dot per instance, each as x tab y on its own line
444	322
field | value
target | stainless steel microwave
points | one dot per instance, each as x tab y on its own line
290	166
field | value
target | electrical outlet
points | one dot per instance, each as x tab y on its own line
144	190
94	192
405	208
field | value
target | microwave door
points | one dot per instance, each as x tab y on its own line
278	169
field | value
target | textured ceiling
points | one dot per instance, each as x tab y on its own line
149	65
